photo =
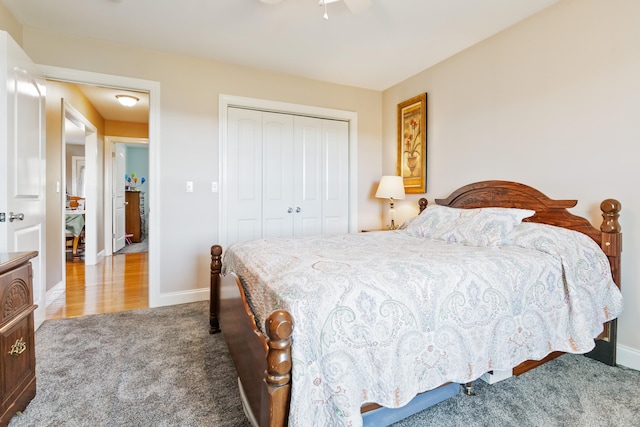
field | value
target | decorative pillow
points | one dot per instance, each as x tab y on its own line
478	227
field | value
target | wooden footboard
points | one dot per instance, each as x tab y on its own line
263	364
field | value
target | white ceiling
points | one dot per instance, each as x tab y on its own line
387	43
104	100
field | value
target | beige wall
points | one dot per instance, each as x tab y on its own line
553	102
127	129
188	146
9	24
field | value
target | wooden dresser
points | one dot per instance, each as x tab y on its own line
134	215
17	358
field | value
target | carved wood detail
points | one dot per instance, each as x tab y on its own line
279	327
422	203
16	298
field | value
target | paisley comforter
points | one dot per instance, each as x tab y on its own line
382	316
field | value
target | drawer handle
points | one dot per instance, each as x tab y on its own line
18	348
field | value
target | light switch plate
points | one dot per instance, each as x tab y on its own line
214	187
189	186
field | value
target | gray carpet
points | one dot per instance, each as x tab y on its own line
160	367
570	391
148	367
134	248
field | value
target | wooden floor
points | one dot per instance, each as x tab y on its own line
116	283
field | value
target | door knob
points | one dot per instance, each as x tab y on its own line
289	210
298	209
13	216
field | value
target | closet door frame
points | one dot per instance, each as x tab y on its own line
226	101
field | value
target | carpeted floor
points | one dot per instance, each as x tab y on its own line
160	367
147	367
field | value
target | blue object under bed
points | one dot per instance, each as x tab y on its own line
386	416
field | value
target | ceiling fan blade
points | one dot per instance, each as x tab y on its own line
357	6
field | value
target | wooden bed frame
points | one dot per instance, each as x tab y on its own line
264	363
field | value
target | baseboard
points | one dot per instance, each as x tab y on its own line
54	293
628	357
183	297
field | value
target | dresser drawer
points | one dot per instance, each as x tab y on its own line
17	349
15	293
17	358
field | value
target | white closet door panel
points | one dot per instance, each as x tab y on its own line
307	185
277	173
335	213
244	175
248	229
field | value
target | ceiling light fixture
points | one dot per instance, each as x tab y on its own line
127	100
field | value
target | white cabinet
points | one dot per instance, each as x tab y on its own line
286	175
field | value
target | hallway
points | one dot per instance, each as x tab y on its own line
116	283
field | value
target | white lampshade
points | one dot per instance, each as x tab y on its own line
391	187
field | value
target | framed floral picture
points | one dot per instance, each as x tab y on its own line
412	143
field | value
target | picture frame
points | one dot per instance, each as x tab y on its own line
412	144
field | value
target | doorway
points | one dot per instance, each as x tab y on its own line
126	168
153	89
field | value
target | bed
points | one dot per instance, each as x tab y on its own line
263	344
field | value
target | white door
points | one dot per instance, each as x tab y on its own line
118	203
244	165
278	174
23	175
335	173
308	176
321	176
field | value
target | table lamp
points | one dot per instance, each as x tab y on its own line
391	187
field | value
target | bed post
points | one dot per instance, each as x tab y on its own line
612	235
214	288
276	396
422	203
605	350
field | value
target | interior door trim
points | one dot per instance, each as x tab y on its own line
69	75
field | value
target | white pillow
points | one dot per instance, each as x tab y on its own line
478	227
